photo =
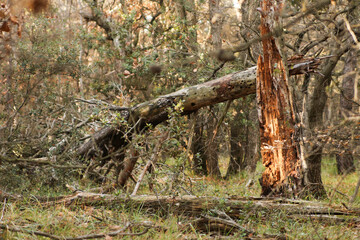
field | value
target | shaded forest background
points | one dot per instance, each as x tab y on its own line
77	159
69	67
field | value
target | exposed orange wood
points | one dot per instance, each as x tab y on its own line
276	116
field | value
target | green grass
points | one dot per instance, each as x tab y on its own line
76	221
339	187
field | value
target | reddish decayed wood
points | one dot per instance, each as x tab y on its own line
276	116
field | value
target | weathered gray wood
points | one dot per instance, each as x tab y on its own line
194	206
190	99
155	111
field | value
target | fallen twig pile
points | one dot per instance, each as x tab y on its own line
206	214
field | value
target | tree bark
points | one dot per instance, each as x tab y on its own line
237	151
198	147
194	206
115	138
282	175
211	147
344	159
244	137
315	118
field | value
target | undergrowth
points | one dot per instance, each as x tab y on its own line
75	221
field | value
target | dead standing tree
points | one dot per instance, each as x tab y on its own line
276	115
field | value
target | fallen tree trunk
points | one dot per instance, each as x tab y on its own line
114	139
190	205
231	86
206	214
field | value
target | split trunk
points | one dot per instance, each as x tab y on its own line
276	117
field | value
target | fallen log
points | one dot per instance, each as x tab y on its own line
206	214
190	205
232	86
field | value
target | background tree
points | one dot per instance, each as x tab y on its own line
113	54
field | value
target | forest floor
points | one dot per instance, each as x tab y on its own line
28	219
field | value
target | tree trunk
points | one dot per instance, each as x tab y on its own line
315	117
282	175
116	138
237	150
244	138
212	146
216	23
345	162
252	152
344	159
198	147
190	205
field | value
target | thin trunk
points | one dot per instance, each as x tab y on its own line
253	141
198	147
344	159
244	138
237	151
315	121
212	146
216	23
211	152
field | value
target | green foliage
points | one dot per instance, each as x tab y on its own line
46	67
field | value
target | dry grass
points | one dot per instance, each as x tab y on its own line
76	221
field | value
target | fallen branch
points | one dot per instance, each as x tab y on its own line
194	206
151	161
209	213
43	161
119	232
220	222
191	205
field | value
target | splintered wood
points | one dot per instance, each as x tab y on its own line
276	116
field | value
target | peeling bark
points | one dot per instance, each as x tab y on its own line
276	117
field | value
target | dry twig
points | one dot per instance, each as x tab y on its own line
119	232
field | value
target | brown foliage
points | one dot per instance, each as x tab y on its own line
36	6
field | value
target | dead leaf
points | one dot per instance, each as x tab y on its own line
5	27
